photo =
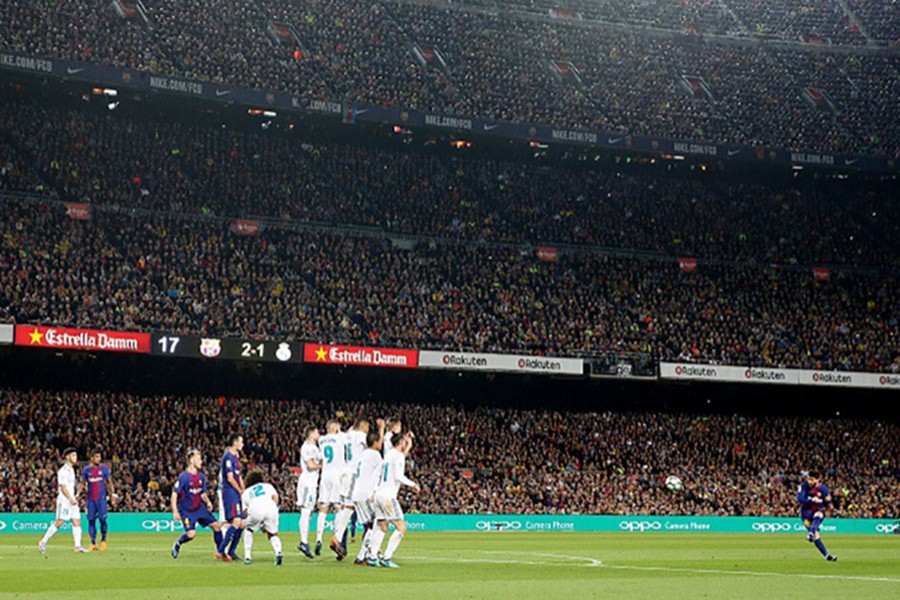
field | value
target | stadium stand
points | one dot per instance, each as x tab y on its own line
471	460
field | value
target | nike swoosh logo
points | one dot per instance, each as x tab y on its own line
733	152
73	71
488	127
850	161
221	93
361	111
614	140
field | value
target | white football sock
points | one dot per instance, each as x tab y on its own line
76	535
375	542
305	515
51	531
340	523
395	540
276	544
320	527
248	543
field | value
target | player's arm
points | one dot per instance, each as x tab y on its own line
205	497
312	465
174	501
112	492
803	494
232	480
402	478
82	483
381	426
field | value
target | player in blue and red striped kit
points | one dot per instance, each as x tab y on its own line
231	488
96	478
815	499
191	505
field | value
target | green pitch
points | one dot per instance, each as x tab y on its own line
466	565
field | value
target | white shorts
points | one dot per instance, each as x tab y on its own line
365	512
330	489
346	488
387	509
67	511
306	493
263	515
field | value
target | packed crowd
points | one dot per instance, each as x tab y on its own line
181	275
502	66
106	159
467	460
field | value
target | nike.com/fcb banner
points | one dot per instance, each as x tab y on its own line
328	354
36	524
466	361
64	338
730	374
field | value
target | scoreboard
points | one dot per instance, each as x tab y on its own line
195	346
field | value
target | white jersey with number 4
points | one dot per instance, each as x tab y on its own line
262	511
393	475
368	474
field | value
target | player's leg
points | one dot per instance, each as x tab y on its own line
104	526
190	532
817	539
92	523
248	546
394	542
378	533
320	526
75	513
341	519
354	519
364	516
62	513
270	526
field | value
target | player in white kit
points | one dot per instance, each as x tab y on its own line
354	446
308	484
66	502
260	501
365	481
392	431
387	507
333	465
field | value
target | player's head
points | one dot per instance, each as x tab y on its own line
404	443
96	457
361	424
253	477
311	434
236	441
373	440
394	425
333	426
813	477
194	458
70	455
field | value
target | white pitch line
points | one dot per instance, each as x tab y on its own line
755	573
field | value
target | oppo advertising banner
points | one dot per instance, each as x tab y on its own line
37	523
732	374
468	361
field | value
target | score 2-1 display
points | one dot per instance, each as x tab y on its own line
195	346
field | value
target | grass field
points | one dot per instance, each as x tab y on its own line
467	565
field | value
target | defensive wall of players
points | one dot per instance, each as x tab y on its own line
163	523
285	351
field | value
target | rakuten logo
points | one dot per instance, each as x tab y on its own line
889	380
539	364
461	360
687	371
640	526
837	378
764	375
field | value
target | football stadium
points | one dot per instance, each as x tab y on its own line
450	299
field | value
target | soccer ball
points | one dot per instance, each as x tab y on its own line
673	482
